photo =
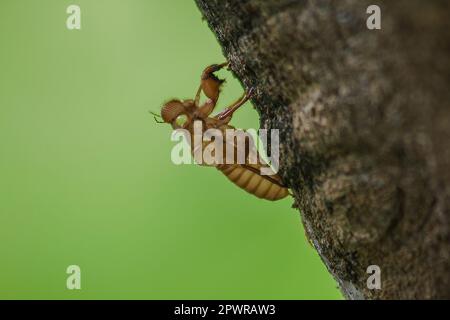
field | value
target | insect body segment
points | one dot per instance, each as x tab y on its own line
182	114
249	179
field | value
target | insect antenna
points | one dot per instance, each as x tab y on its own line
156	116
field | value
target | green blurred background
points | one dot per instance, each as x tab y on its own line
86	176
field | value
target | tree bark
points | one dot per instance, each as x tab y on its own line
364	120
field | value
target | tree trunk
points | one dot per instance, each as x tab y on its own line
364	121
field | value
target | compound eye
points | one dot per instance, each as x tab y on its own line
181	120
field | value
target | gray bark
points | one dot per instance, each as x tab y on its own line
364	117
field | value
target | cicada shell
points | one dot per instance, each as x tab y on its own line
244	173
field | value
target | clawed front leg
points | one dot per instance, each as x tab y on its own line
210	84
213	68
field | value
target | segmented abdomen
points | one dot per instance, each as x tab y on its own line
245	177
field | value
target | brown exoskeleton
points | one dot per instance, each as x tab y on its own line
182	114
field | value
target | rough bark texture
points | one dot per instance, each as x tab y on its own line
364	117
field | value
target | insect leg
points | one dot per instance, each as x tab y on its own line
212	68
210	84
197	96
228	112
